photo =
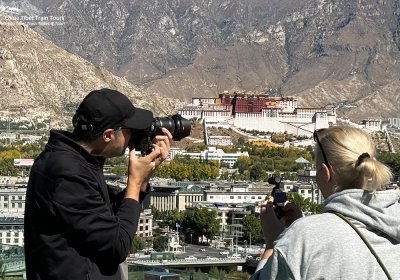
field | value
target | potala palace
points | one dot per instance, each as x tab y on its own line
261	112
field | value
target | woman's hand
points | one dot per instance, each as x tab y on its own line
272	227
292	213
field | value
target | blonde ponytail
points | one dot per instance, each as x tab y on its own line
350	152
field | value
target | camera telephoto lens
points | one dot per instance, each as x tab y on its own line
178	126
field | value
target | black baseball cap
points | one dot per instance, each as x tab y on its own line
107	108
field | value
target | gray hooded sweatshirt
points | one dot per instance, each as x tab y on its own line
324	246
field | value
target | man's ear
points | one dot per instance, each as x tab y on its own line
108	134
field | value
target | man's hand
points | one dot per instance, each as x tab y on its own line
163	141
141	169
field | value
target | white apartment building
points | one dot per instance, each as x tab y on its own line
372	125
219	141
12	231
212	153
394	122
12	196
308	190
145	226
237	194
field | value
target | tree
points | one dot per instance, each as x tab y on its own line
305	204
251	227
241	141
242	163
255	171
392	160
2	269
202	222
173	217
137	244
160	243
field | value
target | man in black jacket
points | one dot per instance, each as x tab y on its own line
75	228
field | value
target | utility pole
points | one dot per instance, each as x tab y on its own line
236	240
250	241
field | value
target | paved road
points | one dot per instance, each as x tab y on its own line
195	250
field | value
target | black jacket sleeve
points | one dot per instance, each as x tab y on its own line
116	197
91	225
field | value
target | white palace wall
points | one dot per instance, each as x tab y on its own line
270	120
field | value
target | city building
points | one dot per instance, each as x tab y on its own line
212	153
169	196
145	225
12	231
394	122
219	141
237	194
371	125
12	196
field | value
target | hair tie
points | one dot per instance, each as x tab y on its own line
361	158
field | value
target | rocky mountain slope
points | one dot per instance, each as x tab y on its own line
42	84
344	52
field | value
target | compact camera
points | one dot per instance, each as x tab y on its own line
279	196
176	124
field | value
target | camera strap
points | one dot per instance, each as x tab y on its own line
344	218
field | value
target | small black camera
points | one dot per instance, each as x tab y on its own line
176	124
279	196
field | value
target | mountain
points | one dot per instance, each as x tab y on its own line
342	52
42	84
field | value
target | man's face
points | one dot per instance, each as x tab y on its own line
120	142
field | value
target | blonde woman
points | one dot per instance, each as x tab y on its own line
358	234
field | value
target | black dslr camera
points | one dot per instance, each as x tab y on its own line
176	124
279	196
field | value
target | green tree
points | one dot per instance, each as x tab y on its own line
251	227
137	244
392	160
173	217
242	164
255	171
202	222
2	269
305	204
160	243
219	273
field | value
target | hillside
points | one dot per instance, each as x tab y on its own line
41	84
342	52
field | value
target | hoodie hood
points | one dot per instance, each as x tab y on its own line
377	210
